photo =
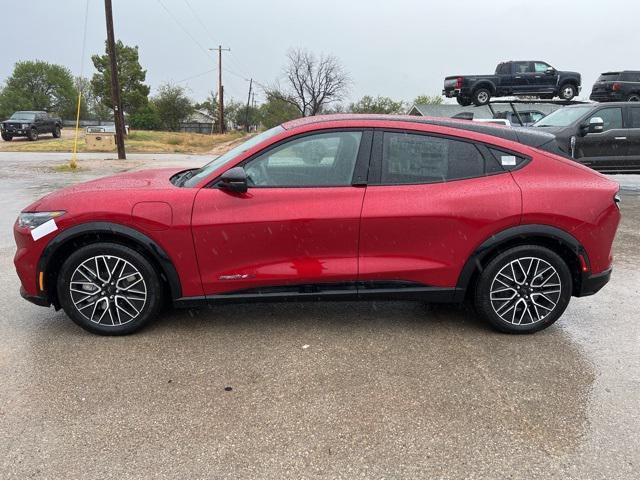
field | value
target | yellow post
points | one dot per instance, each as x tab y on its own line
74	164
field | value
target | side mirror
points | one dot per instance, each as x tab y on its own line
596	125
234	180
550	71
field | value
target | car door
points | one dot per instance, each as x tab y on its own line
430	202
633	133
608	146
522	77
297	224
544	79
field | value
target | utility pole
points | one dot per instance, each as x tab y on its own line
246	116
118	114
220	87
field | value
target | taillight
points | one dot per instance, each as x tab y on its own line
459	82
616	86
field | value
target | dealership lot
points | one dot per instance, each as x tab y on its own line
310	390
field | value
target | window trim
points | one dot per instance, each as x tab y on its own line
360	169
375	169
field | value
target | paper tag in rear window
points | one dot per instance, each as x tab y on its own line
508	160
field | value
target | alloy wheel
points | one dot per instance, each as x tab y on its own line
108	290
525	291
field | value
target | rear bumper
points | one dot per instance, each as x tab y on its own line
457	92
606	97
593	283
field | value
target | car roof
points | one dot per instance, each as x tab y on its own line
30	111
532	138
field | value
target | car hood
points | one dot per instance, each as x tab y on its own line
156	179
553	130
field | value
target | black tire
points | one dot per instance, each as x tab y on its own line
463	101
56	132
503	309
567	91
481	96
634	97
32	135
7	137
113	301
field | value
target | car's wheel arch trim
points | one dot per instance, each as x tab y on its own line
520	232
149	245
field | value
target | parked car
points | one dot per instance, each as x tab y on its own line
527	117
605	137
335	207
519	78
617	86
31	125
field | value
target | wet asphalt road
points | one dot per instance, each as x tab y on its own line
321	390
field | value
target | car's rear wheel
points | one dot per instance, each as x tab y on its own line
634	97
524	289
32	135
109	289
7	137
56	132
463	101
568	91
481	96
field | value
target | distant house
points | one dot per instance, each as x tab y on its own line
200	121
200	116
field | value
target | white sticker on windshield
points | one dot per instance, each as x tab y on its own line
43	230
508	160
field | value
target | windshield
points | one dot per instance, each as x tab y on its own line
23	116
563	117
210	167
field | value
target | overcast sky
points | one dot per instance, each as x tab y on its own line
397	48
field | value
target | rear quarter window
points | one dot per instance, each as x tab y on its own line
631	76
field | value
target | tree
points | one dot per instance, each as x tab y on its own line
385	105
38	85
134	93
311	82
173	106
427	100
145	118
276	111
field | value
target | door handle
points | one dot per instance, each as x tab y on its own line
620	138
518	76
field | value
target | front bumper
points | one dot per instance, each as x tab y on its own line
591	284
39	300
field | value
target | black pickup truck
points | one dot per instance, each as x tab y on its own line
521	78
30	124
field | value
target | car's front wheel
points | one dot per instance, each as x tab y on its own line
568	91
7	137
109	289
32	135
56	132
524	289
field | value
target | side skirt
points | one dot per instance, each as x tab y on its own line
350	291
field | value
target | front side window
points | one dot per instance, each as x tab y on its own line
540	67
318	160
612	117
414	158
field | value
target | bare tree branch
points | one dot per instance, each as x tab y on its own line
311	82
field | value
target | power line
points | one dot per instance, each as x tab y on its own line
197	17
196	76
185	30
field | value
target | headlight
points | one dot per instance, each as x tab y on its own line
25	126
32	220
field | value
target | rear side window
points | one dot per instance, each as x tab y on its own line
634	114
631	76
522	67
507	160
414	158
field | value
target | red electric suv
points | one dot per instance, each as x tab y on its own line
334	207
